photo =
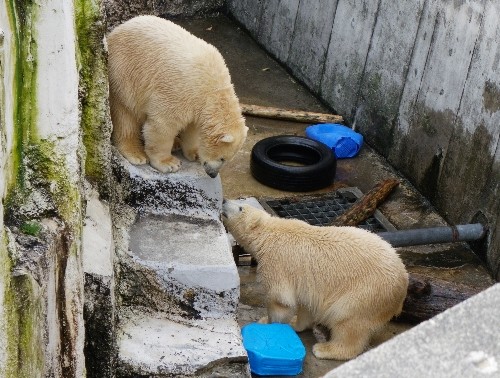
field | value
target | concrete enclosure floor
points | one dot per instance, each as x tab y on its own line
260	80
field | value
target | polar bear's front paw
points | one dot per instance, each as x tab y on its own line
263	320
191	155
166	165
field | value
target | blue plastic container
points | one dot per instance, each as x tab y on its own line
341	139
273	349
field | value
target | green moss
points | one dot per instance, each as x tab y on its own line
8	312
93	90
52	175
21	16
30	362
32	228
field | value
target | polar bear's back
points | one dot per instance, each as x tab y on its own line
150	55
331	262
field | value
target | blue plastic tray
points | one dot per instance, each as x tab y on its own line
341	139
273	349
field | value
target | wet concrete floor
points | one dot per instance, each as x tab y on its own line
260	80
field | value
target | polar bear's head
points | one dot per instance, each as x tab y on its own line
221	147
213	155
223	130
242	219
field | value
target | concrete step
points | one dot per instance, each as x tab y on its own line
177	283
190	191
153	345
180	265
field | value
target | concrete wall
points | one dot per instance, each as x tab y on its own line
56	243
118	11
41	285
420	79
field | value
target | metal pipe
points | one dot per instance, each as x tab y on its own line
435	235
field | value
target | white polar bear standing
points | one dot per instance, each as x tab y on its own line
165	82
345	278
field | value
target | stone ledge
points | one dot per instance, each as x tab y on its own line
460	342
190	191
180	265
152	345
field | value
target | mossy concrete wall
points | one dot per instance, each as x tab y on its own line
420	79
41	173
119	11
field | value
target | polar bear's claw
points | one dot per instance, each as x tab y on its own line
332	351
167	165
135	157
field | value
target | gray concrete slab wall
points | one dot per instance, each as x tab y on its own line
418	78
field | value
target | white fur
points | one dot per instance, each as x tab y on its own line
165	82
345	278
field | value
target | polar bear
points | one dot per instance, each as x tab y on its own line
165	83
345	278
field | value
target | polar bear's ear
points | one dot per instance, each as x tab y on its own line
226	138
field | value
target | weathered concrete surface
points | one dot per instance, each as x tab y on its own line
119	11
152	345
177	285
418	79
41	321
35	309
188	192
99	307
456	343
186	259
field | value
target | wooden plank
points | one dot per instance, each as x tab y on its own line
311	37
366	206
347	52
289	114
386	70
428	296
429	114
475	138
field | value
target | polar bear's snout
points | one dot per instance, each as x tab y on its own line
230	208
212	167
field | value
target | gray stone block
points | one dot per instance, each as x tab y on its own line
180	265
190	191
152	345
460	342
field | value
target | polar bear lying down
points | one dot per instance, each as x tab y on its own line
164	82
345	278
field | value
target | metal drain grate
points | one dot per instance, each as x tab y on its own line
320	210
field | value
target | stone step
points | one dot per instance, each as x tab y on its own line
180	265
153	345
190	191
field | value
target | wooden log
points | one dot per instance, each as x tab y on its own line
428	296
289	114
366	205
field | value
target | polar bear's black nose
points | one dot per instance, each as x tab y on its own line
210	171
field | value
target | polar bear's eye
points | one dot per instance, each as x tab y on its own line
222	160
241	208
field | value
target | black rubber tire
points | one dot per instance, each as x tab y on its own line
316	172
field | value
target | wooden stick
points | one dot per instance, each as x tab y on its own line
366	205
429	296
289	115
